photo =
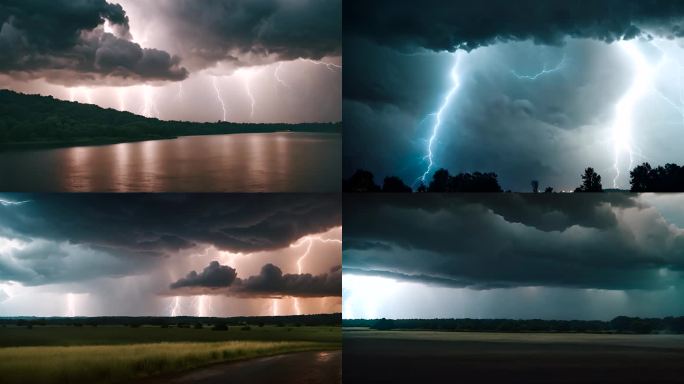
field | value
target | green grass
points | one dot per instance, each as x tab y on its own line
122	363
111	354
12	336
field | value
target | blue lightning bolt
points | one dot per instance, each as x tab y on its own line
545	71
456	83
7	203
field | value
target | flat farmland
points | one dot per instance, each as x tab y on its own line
470	357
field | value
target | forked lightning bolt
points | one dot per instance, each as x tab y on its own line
276	74
439	115
219	98
545	71
330	66
308	240
248	89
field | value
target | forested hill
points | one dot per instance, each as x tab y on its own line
34	120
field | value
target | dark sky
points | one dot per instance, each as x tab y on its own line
515	256
130	254
539	90
258	60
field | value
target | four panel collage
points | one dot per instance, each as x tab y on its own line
341	191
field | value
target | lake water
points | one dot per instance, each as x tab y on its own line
270	162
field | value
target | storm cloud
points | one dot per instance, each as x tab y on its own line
616	242
246	33
169	254
448	25
65	42
123	228
270	282
213	276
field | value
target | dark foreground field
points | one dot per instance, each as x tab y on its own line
322	367
419	357
120	354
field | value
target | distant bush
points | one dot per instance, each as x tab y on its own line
219	327
246	328
198	326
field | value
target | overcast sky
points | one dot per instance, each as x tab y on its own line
235	60
161	255
527	89
513	256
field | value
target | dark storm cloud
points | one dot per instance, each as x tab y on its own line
132	226
214	275
447	25
159	223
251	32
599	241
270	282
64	41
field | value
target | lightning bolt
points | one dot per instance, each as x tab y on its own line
623	124
274	307
149	108
276	74
308	240
74	92
545	71
456	83
202	306
330	66
175	306
220	99
122	99
71	305
6	203
180	91
246	79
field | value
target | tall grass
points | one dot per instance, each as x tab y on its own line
121	363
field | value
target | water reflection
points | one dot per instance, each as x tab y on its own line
277	162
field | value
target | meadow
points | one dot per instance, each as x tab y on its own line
112	354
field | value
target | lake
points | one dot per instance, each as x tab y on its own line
262	162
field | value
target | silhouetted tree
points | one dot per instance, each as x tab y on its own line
548	190
421	188
475	182
591	182
394	184
440	181
535	186
669	178
360	182
464	182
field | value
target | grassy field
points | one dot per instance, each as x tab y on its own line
112	354
472	357
12	336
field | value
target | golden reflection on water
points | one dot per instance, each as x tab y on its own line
278	162
122	153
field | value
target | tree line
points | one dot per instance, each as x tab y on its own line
333	319
643	178
620	324
32	119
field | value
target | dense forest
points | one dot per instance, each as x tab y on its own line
34	120
620	324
